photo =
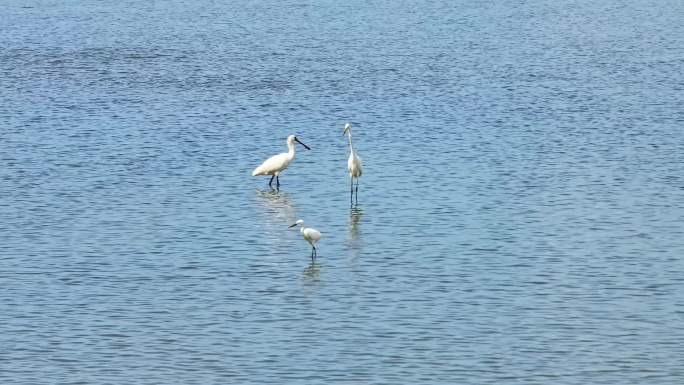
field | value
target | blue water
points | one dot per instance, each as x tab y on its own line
520	218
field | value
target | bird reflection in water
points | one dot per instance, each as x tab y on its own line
354	236
277	207
312	273
354	225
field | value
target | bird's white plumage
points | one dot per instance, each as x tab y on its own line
274	165
354	165
277	163
310	235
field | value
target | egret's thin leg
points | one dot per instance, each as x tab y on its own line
357	190
271	181
312	253
278	182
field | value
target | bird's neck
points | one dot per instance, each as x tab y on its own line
351	146
301	229
290	150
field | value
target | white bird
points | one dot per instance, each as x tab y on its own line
354	165
310	235
278	163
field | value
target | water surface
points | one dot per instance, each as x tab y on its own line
519	219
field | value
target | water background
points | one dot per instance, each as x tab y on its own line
520	219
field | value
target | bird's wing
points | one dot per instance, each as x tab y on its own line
312	234
272	164
354	164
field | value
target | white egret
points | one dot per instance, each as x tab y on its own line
278	163
310	235
354	165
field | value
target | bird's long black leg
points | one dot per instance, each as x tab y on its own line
357	190
271	181
278	182
312	254
315	251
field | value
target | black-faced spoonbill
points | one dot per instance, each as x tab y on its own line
354	165
310	235
278	163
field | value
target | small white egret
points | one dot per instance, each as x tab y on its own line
354	165
310	235
278	163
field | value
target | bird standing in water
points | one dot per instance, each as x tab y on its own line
310	235
354	165
278	163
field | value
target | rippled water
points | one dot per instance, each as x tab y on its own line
520	220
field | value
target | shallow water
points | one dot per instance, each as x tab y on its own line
520	219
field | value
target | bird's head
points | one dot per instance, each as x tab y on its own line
291	139
299	222
347	128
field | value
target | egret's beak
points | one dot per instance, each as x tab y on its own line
292	225
305	146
